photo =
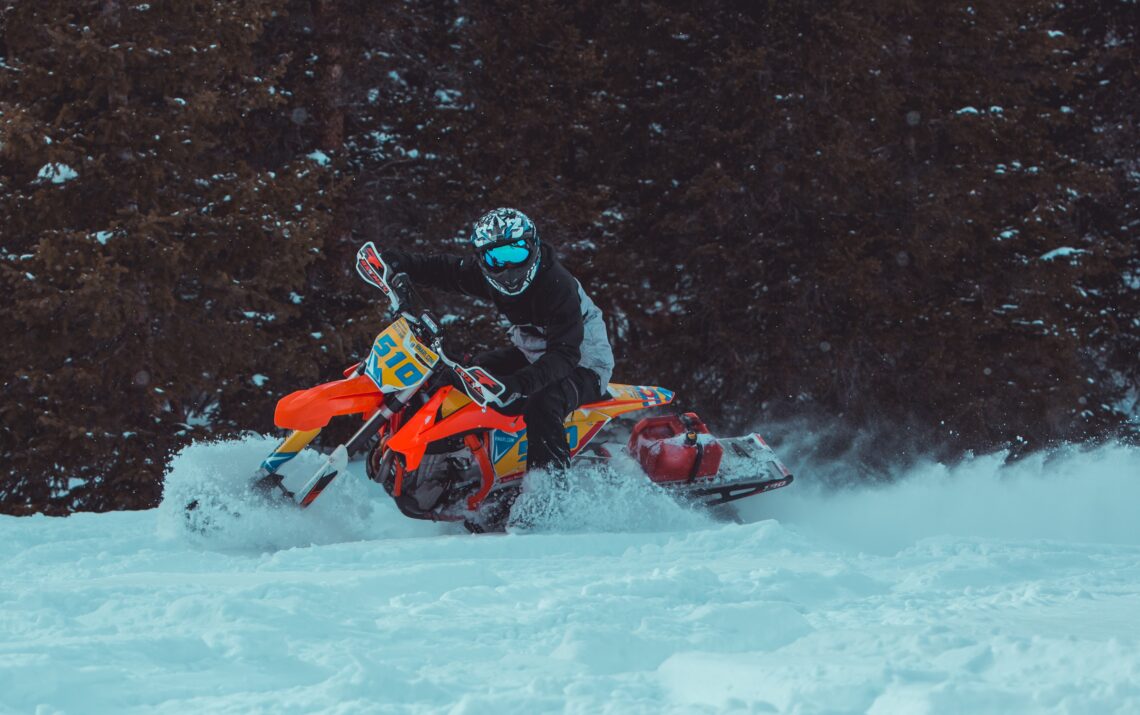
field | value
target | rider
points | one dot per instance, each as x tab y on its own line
561	356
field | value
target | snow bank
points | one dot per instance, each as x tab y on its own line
980	588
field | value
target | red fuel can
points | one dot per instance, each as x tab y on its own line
675	448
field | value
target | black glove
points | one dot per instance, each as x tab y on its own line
513	388
394	258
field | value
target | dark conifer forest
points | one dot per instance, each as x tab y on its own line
913	226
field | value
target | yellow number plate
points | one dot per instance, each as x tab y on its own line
398	359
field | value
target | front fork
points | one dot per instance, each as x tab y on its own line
290	447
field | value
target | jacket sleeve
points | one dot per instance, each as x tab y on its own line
565	330
445	272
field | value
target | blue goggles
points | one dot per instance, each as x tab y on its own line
505	254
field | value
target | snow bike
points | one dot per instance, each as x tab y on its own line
441	450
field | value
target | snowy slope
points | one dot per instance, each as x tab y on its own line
983	589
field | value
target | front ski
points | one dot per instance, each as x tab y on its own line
336	463
273	490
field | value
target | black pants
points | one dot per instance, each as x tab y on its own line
545	410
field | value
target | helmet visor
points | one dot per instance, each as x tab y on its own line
505	255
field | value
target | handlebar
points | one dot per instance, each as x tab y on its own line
480	385
413	307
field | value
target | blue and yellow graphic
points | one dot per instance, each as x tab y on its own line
289	447
398	360
509	450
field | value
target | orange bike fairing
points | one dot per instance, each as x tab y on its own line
423	428
313	408
460	415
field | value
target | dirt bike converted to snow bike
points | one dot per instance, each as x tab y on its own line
443	452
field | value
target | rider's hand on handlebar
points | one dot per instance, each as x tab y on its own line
513	391
394	259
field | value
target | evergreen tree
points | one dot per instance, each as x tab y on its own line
917	220
152	254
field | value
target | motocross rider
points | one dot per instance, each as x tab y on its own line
561	356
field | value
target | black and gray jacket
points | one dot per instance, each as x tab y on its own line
553	322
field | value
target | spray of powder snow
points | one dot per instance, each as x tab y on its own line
1071	494
595	498
217	475
610	497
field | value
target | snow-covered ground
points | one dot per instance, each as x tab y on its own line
980	589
